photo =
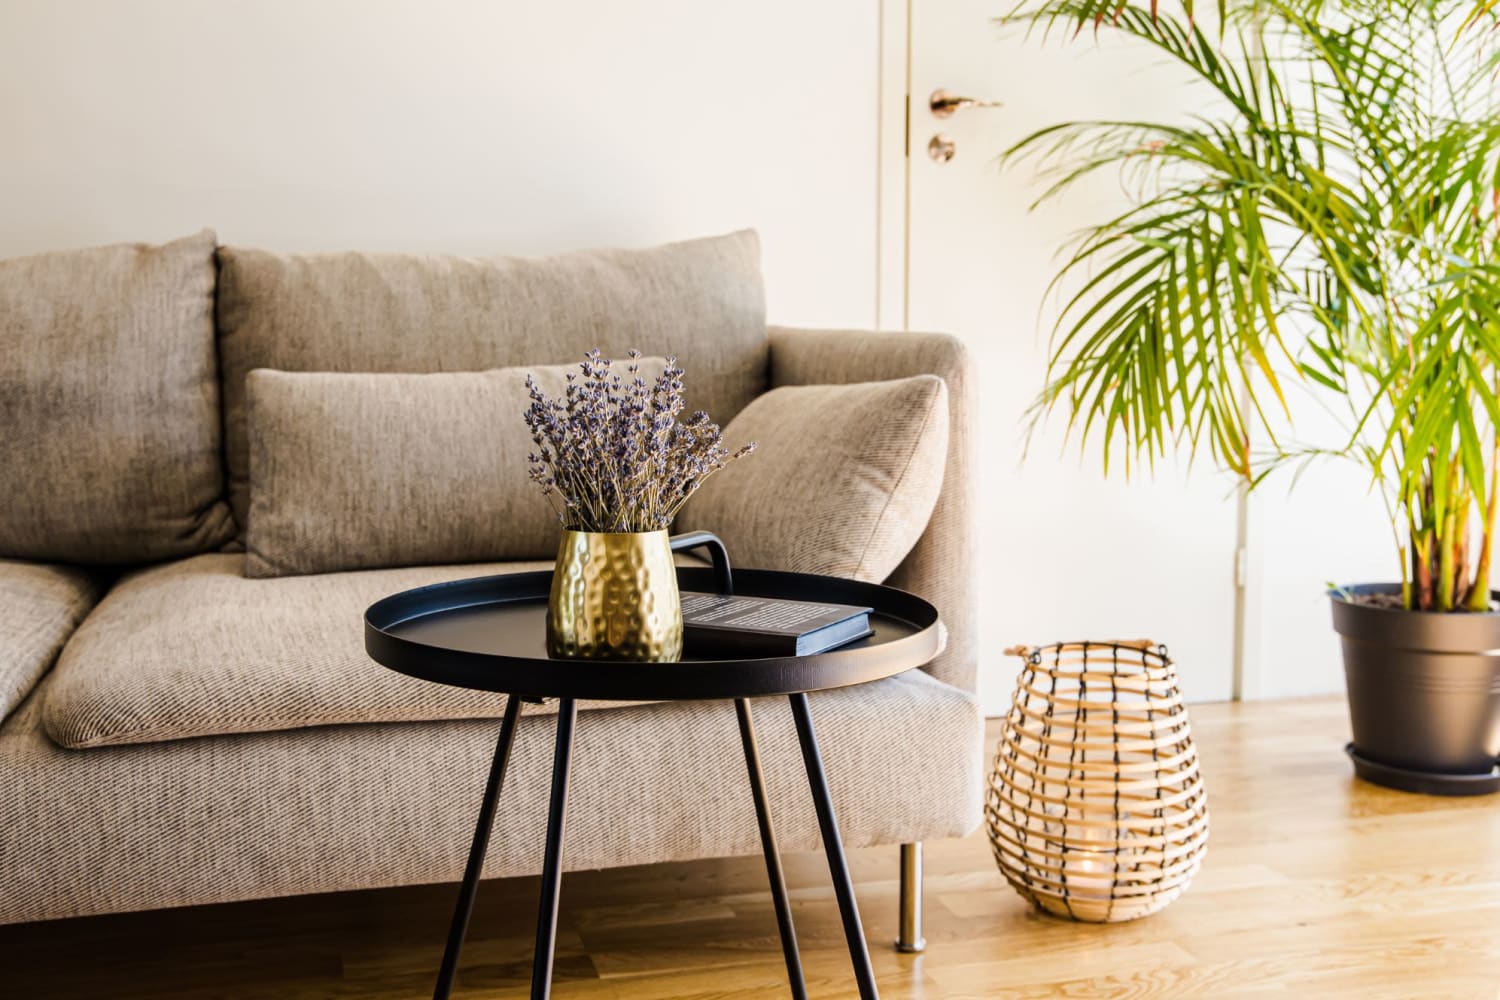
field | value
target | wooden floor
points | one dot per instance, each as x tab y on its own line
1315	886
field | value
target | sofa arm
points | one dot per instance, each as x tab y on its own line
941	566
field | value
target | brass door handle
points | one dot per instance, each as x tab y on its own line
944	104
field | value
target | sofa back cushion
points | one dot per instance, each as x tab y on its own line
361	471
700	300
109	405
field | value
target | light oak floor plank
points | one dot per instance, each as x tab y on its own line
1315	886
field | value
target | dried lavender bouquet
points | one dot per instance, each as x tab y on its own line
612	455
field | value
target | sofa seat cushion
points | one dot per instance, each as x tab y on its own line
194	648
353	807
700	300
109	405
40	606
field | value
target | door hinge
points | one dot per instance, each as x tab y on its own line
1241	567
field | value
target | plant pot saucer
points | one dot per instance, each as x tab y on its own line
1423	782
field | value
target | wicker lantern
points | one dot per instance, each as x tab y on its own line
1096	809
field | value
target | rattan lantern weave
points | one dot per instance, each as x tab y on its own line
1096	809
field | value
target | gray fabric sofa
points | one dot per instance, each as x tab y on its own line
175	732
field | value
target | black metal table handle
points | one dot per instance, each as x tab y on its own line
716	551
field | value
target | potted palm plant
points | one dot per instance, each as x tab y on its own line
1331	221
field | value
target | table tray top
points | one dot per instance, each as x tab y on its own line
489	633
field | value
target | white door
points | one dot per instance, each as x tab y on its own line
1065	553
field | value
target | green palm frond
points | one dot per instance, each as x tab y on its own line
1333	220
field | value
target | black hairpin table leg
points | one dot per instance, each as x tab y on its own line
546	920
838	867
477	848
773	857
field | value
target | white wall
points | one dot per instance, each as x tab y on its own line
467	126
1323	526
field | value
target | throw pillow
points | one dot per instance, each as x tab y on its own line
365	471
843	481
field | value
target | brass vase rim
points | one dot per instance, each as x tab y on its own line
590	531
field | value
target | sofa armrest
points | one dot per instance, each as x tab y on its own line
941	566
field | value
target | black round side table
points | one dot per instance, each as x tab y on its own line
488	633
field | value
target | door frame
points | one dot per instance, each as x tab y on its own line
892	169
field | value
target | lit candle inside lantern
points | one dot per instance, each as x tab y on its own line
1089	865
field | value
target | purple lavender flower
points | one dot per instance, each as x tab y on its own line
611	455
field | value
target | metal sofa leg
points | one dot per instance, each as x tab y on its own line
910	938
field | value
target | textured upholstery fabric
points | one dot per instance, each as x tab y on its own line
194	648
40	606
366	471
701	300
842	484
941	566
109	405
347	807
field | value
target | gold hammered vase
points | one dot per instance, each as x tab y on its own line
614	597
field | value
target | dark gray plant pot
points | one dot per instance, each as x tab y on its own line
1424	687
